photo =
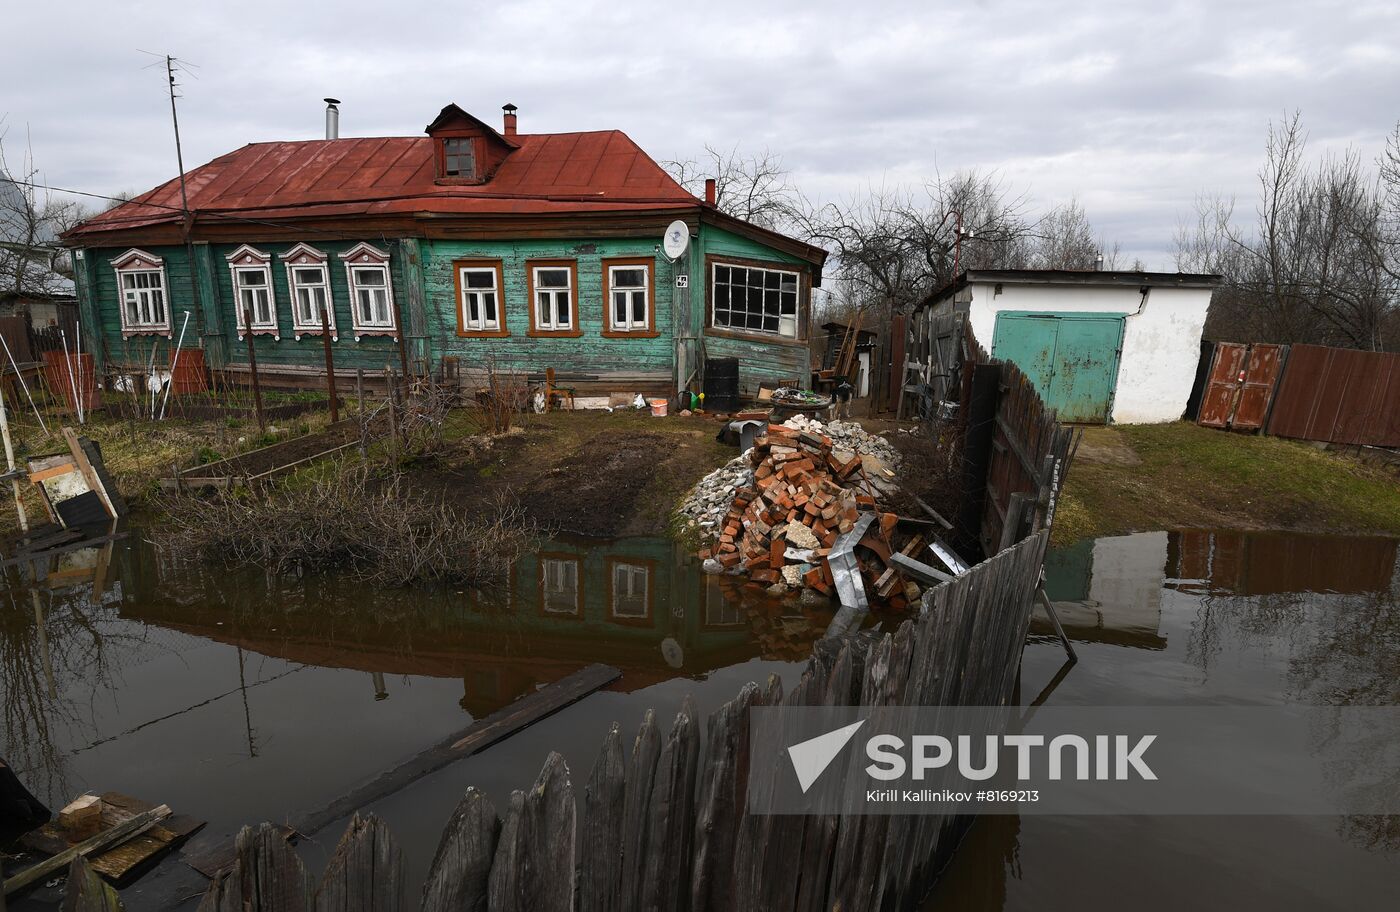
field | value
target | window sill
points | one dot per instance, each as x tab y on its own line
147	331
482	333
299	331
754	337
375	331
630	334
272	331
554	333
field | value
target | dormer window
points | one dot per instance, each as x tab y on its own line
459	158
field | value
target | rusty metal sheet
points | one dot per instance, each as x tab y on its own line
1339	396
1226	373
547	172
1261	373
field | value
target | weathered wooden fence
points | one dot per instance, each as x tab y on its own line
936	347
662	824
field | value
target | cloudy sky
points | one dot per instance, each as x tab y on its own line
1134	107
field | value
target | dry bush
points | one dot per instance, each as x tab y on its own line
352	522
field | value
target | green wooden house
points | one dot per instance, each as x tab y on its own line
519	251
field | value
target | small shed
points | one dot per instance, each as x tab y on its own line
1099	346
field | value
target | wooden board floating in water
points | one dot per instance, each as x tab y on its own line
114	836
123	862
494	728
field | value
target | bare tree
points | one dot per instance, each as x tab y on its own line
30	222
756	188
1319	264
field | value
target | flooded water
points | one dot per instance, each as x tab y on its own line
238	697
235	697
1197	618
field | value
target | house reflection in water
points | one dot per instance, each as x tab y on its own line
641	604
1110	590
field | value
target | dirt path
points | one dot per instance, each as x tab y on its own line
590	473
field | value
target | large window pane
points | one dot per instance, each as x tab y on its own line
552	278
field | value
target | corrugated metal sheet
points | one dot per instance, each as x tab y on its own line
548	173
1339	396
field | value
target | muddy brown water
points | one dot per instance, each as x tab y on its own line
236	697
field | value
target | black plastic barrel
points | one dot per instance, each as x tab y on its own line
721	384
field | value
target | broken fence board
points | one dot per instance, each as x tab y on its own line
664	887
266	876
459	880
366	872
86	891
641	774
600	867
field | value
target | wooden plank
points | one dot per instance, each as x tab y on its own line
86	891
113	836
494	728
267	876
54	472
459	879
919	570
550	826
89	474
721	803
600	867
366	872
665	877
641	774
1018	447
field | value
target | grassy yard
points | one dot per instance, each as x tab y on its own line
1141	477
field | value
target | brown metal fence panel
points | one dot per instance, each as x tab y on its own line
1339	396
1342	396
1260	377
1219	400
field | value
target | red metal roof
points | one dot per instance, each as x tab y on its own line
549	173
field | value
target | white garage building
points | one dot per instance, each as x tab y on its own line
1099	346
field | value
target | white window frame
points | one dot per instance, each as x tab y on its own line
247	260
796	316
480	325
304	256
631	573
365	256
566	567
630	324
135	262
554	292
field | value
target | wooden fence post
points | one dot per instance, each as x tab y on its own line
253	369
330	365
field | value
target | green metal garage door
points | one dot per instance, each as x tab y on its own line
1071	358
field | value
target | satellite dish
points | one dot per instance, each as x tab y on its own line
676	240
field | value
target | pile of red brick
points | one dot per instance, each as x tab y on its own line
803	497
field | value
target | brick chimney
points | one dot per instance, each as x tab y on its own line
510	110
710	190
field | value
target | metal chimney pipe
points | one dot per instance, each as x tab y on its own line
332	118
